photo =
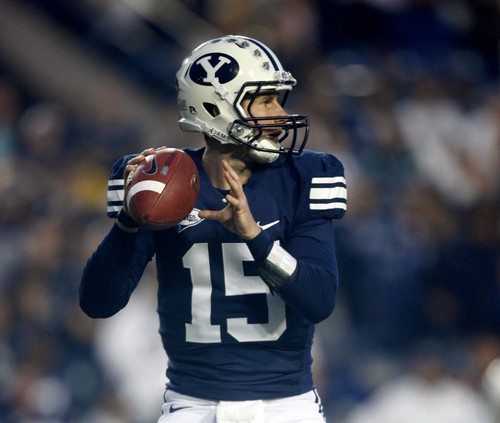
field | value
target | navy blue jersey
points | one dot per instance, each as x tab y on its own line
227	336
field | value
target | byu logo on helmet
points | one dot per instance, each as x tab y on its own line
214	65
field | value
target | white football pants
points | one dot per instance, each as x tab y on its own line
304	408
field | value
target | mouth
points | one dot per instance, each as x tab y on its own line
274	135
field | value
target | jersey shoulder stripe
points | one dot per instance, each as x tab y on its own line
115	196
328	193
116	186
323	185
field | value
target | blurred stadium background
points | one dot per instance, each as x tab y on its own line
404	92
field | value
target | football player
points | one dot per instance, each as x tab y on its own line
244	278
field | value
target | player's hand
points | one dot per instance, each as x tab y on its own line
236	216
131	166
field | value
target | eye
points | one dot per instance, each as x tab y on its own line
270	100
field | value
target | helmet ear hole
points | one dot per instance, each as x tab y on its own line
211	109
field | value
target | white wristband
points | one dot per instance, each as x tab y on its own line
278	268
125	228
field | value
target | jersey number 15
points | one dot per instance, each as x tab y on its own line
200	329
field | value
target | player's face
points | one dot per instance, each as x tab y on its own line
263	105
266	105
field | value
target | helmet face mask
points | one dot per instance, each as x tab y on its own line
217	76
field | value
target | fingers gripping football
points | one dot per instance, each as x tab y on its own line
161	187
132	164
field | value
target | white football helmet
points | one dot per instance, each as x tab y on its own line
213	80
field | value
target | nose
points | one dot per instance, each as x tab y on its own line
278	111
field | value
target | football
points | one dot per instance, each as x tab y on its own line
163	189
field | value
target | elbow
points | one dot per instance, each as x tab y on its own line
322	311
315	301
326	299
98	302
314	309
100	308
94	312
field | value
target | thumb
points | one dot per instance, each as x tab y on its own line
212	214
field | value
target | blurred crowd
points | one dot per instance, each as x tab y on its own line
405	92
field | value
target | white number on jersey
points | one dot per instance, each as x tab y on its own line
236	283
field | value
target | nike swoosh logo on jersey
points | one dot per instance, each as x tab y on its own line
174	409
267	226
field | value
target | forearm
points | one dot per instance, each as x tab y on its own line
112	273
305	277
